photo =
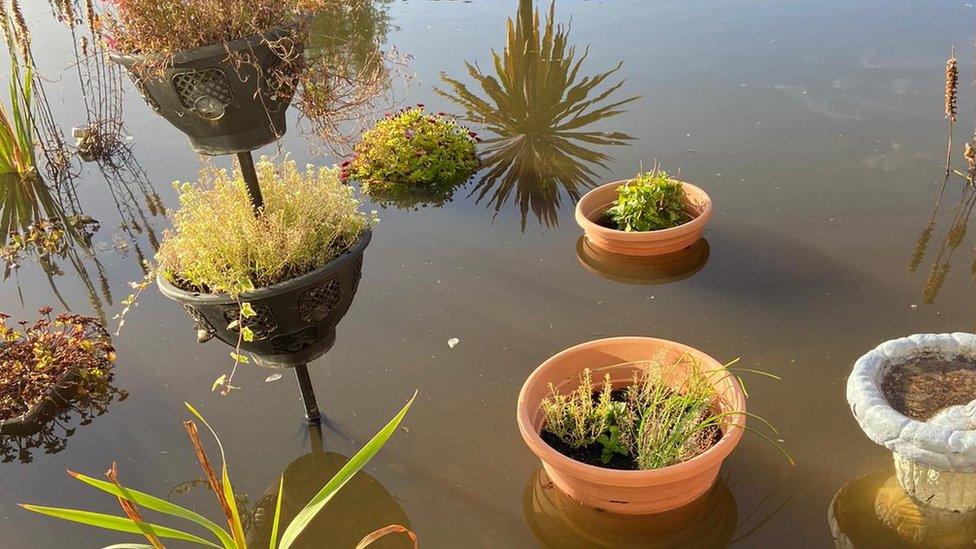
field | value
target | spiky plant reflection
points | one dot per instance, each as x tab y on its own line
539	106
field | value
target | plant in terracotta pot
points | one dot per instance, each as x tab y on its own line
414	157
223	73
274	284
44	364
649	436
652	214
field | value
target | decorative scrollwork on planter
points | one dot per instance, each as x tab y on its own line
205	91
263	323
200	322
317	304
294	342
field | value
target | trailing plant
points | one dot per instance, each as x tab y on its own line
649	202
309	218
540	104
668	414
35	358
413	152
232	537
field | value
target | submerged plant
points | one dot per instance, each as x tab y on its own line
413	153
36	358
540	108
649	202
309	218
231	537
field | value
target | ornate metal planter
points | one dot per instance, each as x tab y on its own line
295	321
227	98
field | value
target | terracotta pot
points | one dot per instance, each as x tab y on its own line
590	208
627	492
649	270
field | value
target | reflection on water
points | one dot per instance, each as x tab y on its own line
872	511
47	226
361	507
559	521
653	270
954	236
85	404
539	107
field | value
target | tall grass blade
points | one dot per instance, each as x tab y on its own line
119	524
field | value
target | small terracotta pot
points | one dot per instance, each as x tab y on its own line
590	208
627	492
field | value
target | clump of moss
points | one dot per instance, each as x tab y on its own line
218	245
35	359
413	153
649	202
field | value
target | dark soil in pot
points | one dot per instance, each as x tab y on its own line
922	388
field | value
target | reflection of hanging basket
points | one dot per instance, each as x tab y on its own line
227	98
295	321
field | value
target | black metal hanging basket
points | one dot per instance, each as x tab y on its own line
295	321
227	98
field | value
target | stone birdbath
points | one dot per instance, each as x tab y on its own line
916	396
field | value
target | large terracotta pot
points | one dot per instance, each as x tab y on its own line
590	208
628	492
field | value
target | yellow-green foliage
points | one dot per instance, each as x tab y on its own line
649	202
217	244
575	418
413	152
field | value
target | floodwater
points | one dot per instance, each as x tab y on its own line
817	128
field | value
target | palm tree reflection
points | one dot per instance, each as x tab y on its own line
539	106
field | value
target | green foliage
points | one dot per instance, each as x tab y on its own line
233	537
577	418
217	244
411	153
649	202
16	129
668	414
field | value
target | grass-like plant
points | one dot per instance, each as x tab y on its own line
309	218
540	105
16	130
649	202
413	153
669	414
231	537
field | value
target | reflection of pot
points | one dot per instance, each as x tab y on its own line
872	511
653	270
295	321
361	507
935	460
559	521
593	205
628	492
227	98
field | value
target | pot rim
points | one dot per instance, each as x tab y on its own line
928	444
217	49
355	250
589	225
686	469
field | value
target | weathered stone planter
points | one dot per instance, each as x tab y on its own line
227	98
295	321
935	460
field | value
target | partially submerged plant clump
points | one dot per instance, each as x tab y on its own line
652	423
309	218
649	202
413	153
36	359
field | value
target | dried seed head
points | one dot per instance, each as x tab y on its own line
920	246
21	32
934	283
951	85
970	156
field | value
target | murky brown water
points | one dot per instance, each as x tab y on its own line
817	129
